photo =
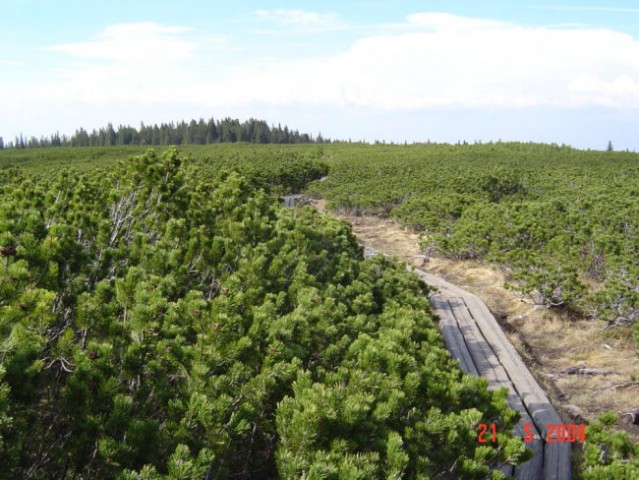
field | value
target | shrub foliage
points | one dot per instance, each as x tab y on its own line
161	321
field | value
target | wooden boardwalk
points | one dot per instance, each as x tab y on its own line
474	337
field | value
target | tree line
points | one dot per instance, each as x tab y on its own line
198	132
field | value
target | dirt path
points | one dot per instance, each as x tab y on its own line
548	342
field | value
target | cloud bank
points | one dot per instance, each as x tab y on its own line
451	61
435	60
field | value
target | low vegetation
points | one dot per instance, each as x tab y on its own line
161	320
563	222
164	317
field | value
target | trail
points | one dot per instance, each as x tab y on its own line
549	342
474	337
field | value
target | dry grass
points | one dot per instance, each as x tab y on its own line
548	340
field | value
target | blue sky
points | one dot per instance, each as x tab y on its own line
564	72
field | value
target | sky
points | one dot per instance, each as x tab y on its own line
564	72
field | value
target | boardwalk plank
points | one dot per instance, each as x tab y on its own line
453	337
497	376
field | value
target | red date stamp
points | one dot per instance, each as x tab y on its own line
483	428
555	433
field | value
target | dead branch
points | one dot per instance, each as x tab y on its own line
624	385
583	370
633	416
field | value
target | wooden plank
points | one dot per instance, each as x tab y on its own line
489	366
557	455
484	359
453	337
440	283
507	470
533	468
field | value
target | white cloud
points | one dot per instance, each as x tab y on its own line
451	61
608	92
142	62
585	8
301	19
134	43
445	21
